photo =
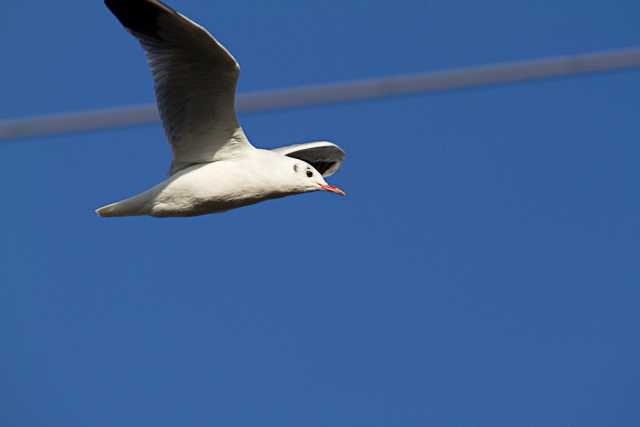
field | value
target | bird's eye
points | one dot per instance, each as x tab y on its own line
309	174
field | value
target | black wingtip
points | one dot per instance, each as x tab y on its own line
140	16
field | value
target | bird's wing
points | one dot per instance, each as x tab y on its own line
195	81
325	156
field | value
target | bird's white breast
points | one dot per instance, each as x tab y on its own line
220	186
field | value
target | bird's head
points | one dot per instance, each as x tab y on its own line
305	178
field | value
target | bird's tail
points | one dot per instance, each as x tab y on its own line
133	206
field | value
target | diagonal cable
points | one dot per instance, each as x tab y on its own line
333	93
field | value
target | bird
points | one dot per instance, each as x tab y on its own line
214	167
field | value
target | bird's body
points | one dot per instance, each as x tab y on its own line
214	168
213	187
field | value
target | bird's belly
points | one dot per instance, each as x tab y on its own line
194	204
212	188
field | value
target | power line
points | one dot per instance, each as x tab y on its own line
440	81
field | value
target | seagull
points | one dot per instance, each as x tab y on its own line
214	167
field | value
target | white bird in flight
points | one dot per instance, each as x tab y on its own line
214	167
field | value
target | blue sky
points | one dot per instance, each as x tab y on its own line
483	270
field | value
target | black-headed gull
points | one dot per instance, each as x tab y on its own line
214	167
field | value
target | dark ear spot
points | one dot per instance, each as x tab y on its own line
295	167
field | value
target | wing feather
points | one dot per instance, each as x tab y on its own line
195	81
324	156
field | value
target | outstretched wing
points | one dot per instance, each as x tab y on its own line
195	81
324	156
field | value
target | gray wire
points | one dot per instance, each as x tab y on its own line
487	75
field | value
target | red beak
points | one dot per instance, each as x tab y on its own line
333	189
